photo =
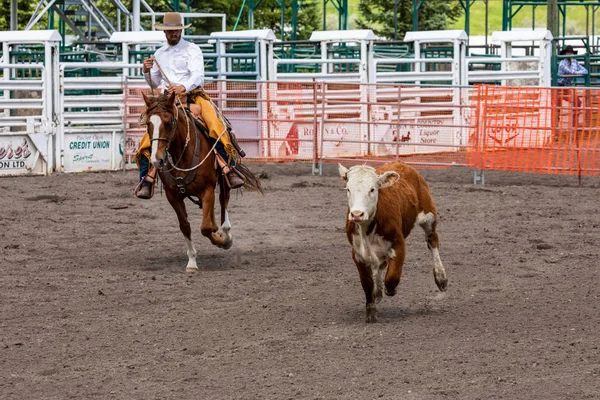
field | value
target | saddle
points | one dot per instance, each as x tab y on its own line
194	111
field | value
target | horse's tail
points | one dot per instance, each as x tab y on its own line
252	182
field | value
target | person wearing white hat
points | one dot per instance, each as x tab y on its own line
181	72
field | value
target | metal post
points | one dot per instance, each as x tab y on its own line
136	16
467	15
282	20
344	15
594	8
14	20
321	145
487	14
315	128
396	19
48	96
324	14
398	123
251	14
506	11
415	14
552	20
587	21
295	9
563	11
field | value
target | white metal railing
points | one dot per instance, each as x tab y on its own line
26	123
505	73
414	76
327	72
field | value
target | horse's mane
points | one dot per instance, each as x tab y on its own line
159	104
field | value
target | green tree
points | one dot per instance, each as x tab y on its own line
24	13
378	15
266	16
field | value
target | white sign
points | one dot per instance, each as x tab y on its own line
431	131
86	152
15	155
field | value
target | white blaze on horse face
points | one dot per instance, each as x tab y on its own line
156	123
362	188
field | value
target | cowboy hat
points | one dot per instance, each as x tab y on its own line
567	49
172	21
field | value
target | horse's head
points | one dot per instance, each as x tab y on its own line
162	125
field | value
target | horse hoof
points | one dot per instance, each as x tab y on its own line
191	270
377	296
228	243
371	314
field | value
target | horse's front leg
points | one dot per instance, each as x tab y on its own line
179	207
209	227
224	194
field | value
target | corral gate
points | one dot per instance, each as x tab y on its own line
28	95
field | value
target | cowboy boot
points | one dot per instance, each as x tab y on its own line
235	178
232	176
145	189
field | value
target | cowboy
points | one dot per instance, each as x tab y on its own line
566	69
178	67
569	66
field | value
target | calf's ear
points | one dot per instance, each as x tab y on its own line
343	172
387	179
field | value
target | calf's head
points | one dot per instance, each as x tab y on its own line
362	187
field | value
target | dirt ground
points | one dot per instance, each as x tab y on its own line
95	302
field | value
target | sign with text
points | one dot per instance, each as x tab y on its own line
412	135
16	155
86	152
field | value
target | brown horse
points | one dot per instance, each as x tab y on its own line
185	161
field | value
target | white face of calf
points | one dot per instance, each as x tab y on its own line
362	187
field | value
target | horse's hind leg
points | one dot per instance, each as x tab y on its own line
179	207
429	224
209	227
224	195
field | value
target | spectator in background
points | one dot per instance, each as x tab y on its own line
568	70
569	66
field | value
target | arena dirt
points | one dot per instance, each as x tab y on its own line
95	302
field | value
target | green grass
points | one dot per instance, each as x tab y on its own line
576	18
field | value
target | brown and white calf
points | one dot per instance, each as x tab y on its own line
384	205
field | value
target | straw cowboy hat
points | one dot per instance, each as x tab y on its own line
172	21
567	49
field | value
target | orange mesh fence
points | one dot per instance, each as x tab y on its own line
419	125
530	129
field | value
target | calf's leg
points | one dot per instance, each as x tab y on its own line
429	224
394	271
366	279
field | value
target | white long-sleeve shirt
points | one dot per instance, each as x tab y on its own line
183	64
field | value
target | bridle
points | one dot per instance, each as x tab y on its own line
169	137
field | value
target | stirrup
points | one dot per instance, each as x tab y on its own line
238	173
145	179
226	169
